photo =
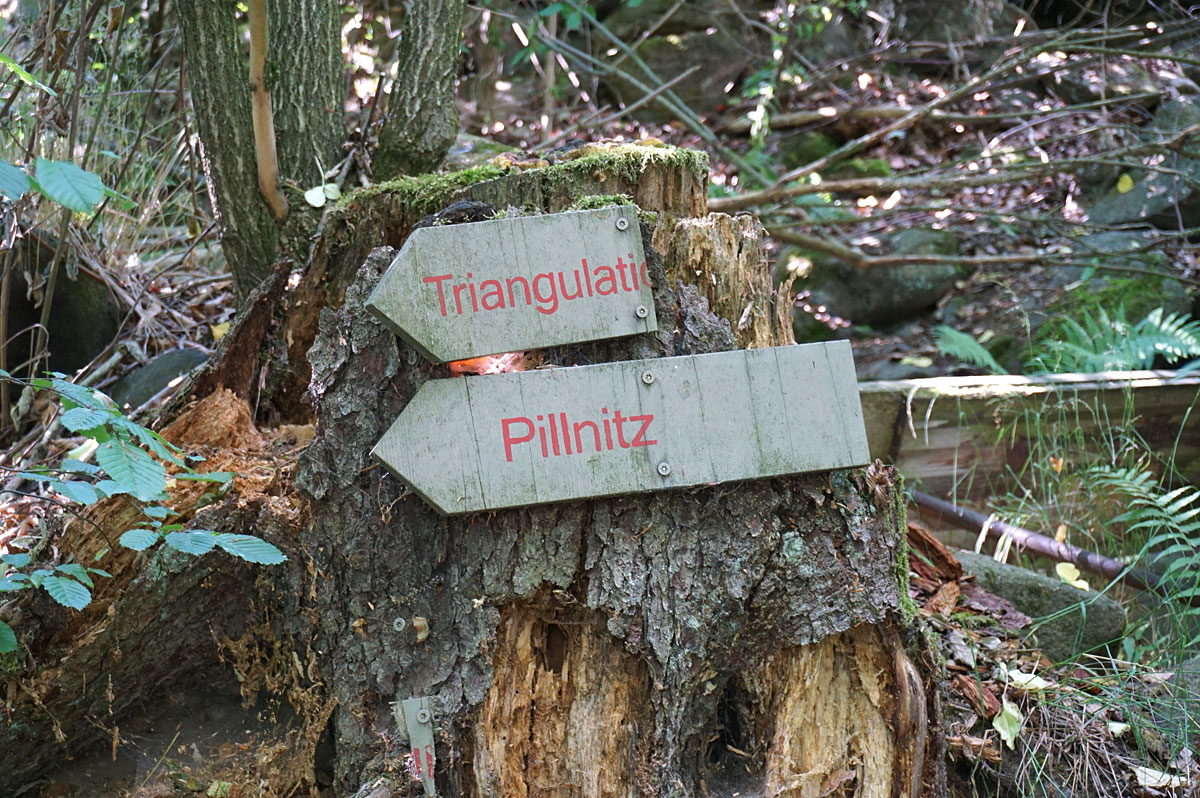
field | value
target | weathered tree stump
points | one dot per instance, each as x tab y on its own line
736	638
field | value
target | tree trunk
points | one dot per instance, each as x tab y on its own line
422	115
304	78
737	638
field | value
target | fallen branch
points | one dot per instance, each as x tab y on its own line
1089	561
798	119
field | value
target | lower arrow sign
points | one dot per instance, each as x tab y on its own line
507	440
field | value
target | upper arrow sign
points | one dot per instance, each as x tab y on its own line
465	290
504	440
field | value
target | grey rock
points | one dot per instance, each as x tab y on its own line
84	318
1075	631
1112	80
1160	199
890	294
140	385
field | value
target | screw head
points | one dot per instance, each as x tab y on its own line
399	624
647	377
664	468
622	223
641	312
422	715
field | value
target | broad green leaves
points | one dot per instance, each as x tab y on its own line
61	181
130	460
251	549
202	541
13	182
134	468
139	539
67	592
68	185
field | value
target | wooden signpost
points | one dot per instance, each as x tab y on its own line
524	438
461	291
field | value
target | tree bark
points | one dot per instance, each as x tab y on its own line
304	69
422	115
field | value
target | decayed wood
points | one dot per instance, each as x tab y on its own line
724	256
958	435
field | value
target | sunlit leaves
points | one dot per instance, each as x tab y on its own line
251	549
13	181
68	185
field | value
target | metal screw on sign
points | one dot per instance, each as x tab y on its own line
647	377
641	312
622	223
664	468
423	716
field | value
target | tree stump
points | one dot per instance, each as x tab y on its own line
742	638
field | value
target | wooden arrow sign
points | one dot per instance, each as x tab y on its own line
504	440
465	290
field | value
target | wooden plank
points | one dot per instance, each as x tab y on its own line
506	285
533	437
945	432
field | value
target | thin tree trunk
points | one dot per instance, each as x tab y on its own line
303	76
422	116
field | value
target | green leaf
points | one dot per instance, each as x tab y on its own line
139	539
77	467
152	440
76	570
251	549
8	639
82	492
139	473
13	582
24	75
68	185
17	559
76	395
84	418
13	183
109	488
157	511
67	592
191	542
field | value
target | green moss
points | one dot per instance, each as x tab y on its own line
593	201
804	148
909	611
862	167
425	193
429	193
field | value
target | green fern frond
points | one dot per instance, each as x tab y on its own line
1102	342
952	343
